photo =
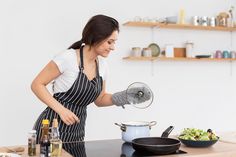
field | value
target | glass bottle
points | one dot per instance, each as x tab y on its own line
44	140
55	142
32	143
45	147
182	16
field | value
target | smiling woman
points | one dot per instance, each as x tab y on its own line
79	78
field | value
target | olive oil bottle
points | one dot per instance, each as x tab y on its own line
55	142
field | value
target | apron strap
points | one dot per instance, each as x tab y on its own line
81	67
82	62
97	67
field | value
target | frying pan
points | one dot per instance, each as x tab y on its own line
157	145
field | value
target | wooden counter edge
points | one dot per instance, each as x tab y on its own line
25	152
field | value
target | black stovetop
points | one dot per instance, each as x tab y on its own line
106	148
138	154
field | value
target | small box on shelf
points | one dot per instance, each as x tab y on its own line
179	52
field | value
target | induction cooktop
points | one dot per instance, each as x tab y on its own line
107	148
138	154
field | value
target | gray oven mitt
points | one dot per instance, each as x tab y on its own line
120	98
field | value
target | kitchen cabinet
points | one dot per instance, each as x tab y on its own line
178	26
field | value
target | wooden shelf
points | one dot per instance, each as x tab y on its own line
176	59
141	58
178	26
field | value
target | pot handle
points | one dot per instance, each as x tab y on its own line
152	123
122	127
167	131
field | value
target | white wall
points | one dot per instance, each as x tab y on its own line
187	94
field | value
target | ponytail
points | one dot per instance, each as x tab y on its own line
76	45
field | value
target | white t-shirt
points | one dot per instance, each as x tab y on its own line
69	68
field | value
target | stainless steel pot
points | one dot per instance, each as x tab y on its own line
135	129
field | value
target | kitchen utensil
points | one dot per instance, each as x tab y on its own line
155	49
135	129
157	145
191	143
141	98
203	56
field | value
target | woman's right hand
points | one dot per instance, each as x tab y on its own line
68	116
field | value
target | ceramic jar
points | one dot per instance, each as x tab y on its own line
136	51
232	54
218	54
226	54
147	52
189	49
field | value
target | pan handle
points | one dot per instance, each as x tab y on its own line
167	131
122	127
152	123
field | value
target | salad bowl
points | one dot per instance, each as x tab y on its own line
192	137
191	143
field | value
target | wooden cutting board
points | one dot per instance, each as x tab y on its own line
229	137
15	149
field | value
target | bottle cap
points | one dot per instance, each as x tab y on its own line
55	123
45	121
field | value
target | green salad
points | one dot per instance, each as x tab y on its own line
197	135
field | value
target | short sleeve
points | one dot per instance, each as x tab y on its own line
105	71
103	68
60	60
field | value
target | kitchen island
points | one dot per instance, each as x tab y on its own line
117	148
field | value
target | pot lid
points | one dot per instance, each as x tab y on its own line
139	95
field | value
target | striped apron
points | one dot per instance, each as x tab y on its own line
81	93
76	149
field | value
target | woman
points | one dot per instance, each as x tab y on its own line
79	77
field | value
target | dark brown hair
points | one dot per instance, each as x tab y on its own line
98	28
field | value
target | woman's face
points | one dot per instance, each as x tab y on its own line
103	49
